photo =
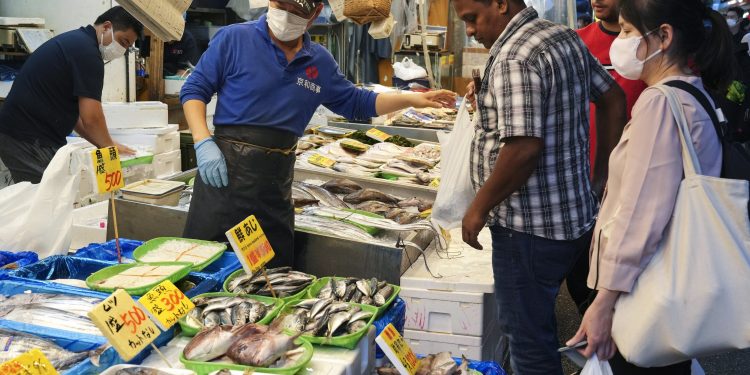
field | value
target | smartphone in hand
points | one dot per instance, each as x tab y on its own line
572	353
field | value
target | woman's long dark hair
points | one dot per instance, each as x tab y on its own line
701	36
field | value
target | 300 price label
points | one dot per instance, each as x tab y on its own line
107	169
166	304
125	325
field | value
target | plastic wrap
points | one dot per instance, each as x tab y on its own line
395	315
108	251
69	267
10	261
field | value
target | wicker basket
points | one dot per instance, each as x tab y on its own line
365	11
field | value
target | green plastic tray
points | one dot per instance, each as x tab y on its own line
349	341
295	297
153	244
314	289
191	331
110	271
137	161
204	368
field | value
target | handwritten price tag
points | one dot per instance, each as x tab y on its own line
250	244
107	169
31	363
125	325
166	304
378	135
321	161
397	350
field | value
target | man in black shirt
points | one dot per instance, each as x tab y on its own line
59	90
735	17
179	55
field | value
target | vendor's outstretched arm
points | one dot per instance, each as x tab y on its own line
391	102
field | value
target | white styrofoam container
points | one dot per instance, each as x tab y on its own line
490	348
173	86
159	130
351	362
135	114
153	143
167	164
89	225
457	313
464	269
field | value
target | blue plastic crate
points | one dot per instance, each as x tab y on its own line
108	251
223	267
70	267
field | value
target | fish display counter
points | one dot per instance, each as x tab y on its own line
422	134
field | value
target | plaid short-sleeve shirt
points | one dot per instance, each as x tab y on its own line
539	82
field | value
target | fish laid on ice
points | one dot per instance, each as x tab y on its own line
369	195
322	195
375	207
421	204
13	344
342	186
354	169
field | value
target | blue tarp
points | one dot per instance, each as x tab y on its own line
396	315
10	261
68	267
108	250
485	367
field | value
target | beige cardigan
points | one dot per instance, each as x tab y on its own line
645	170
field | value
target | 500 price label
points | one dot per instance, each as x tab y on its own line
125	325
107	169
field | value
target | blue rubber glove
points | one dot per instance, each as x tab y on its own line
211	164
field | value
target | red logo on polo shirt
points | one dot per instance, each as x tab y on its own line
312	72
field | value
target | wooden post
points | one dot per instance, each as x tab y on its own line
155	68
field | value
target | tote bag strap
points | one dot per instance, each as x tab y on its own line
689	157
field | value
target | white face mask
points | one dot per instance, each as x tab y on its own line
284	25
112	51
624	57
731	22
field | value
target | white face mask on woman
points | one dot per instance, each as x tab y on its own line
624	56
113	50
284	25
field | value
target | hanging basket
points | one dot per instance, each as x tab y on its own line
365	11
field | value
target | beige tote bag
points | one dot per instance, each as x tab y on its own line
693	299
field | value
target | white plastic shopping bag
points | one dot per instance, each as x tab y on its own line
407	70
596	367
38	217
455	192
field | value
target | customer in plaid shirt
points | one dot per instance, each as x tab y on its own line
530	165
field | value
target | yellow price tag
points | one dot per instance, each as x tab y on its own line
125	325
321	161
166	304
435	183
250	244
378	135
397	350
31	363
107	169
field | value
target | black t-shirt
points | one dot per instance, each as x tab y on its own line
178	54
43	101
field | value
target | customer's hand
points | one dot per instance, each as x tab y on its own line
436	99
211	164
472	224
471	95
596	327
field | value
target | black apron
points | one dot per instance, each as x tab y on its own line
260	166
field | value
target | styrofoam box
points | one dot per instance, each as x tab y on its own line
86	228
463	269
153	143
449	312
472	347
135	114
350	362
167	164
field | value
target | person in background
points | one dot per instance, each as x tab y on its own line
584	20
58	90
660	41
735	20
180	55
530	166
599	37
270	79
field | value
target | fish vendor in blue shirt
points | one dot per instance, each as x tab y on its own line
270	79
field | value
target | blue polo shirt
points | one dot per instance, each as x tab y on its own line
256	86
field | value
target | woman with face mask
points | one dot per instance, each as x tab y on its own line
660	41
270	79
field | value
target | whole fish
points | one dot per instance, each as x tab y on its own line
342	186
260	350
339	288
213	343
355	169
463	369
223	304
364	287
421	204
350	289
193	318
369	195
375	207
295	322
327	290
331	227
225	316
307	303
338	307
355	326
336	321
15	343
241	313
324	196
382	295
211	319
361	315
319	306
